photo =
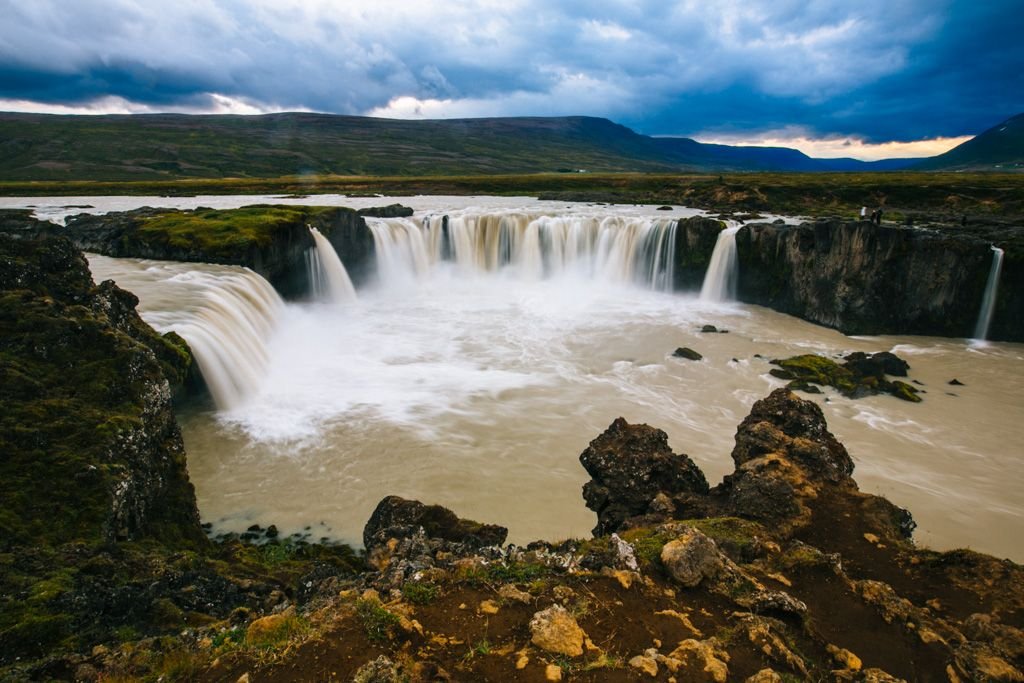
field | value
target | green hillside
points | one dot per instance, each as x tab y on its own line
1000	148
170	146
39	147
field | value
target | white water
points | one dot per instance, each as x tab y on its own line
327	273
478	389
227	315
988	302
611	248
723	272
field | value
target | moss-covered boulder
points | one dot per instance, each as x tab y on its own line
860	375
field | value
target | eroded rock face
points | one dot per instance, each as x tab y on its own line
695	242
399	518
784	424
630	465
865	279
87	400
784	456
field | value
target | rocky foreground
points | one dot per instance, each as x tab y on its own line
783	571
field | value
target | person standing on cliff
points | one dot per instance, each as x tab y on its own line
863	212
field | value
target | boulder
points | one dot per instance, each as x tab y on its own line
398	518
630	465
555	630
691	558
687	353
784	424
877	364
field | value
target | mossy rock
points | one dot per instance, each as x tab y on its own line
856	378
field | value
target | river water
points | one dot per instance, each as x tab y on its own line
478	390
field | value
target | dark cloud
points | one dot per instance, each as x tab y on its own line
875	69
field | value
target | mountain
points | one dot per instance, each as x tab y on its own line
729	157
163	146
1000	148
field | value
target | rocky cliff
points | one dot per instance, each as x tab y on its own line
862	278
87	400
100	538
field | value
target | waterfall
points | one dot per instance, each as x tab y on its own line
723	272
327	273
988	302
614	248
228	331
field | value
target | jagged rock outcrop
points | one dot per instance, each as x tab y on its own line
630	466
398	518
86	397
695	241
861	278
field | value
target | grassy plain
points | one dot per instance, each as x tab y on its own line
901	194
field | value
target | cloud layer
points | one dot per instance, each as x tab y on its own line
873	71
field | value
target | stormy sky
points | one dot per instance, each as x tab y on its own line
870	79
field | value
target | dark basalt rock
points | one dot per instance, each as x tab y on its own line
687	353
783	423
399	518
861	375
389	211
630	465
86	396
695	241
877	364
861	278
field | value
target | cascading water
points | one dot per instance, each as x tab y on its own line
614	248
226	314
988	302
723	272
327	273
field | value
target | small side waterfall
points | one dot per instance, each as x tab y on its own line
613	248
988	302
228	332
723	272
327	273
227	314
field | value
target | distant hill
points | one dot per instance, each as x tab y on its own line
1000	148
729	157
163	146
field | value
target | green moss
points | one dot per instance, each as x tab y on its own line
647	544
905	391
811	369
283	631
378	623
500	572
224	233
420	593
730	533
